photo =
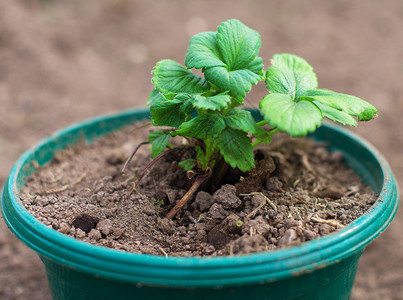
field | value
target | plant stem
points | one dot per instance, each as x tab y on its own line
209	151
220	170
262	123
255	143
196	184
271	133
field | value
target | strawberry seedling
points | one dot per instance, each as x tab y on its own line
206	112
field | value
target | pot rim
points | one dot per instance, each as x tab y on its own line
199	271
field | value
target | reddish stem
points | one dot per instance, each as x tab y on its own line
140	176
131	156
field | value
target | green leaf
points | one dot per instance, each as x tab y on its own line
290	74
240	119
318	92
203	51
159	140
239	46
236	148
228	57
336	115
169	76
167	113
295	118
154	95
351	105
188	164
217	102
237	82
203	127
187	107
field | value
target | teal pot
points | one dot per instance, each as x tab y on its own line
321	269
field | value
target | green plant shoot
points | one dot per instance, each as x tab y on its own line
205	110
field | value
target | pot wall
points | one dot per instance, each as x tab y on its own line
333	282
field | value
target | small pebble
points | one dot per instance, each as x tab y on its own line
203	201
309	235
166	225
325	229
80	233
94	235
105	226
289	236
64	228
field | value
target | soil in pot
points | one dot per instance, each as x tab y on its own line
298	192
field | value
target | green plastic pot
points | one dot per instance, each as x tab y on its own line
321	269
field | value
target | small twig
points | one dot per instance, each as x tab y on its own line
190	174
131	157
192	219
196	184
163	252
352	190
252	231
129	192
335	223
163	128
267	199
255	211
317	187
304	160
231	250
65	187
56	179
296	182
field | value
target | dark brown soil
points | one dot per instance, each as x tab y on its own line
64	61
298	192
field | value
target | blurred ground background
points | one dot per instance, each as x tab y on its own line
64	61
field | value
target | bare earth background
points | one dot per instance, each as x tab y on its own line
64	61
